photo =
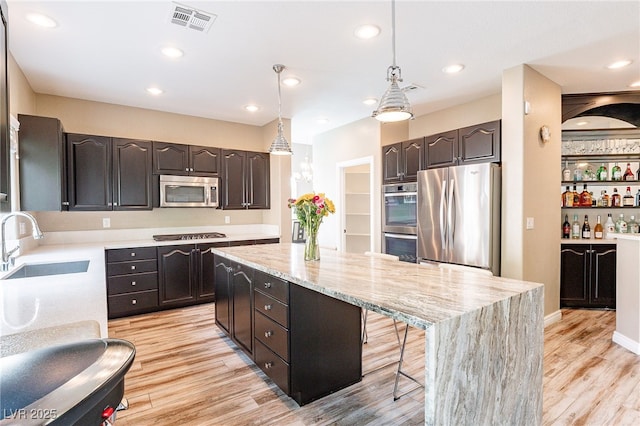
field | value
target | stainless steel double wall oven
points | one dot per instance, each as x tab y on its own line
399	219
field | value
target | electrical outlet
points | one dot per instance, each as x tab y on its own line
227	219
23	228
106	222
530	223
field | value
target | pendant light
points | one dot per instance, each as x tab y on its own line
394	105
279	146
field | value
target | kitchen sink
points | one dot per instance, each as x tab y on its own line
43	269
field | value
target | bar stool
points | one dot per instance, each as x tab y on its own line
365	312
448	266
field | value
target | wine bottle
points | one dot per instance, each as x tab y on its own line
575	228
628	174
597	230
566	227
586	229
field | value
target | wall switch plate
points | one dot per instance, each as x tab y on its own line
106	222
530	223
227	219
23	228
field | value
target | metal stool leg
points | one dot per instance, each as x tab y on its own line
365	338
400	372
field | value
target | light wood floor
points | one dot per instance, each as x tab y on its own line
187	373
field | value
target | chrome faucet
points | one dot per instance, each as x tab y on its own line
7	260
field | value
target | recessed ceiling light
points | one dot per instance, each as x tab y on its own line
619	64
154	91
322	120
366	31
172	52
41	20
251	108
452	69
291	81
370	101
635	84
582	123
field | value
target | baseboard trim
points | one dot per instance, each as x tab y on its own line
626	343
552	318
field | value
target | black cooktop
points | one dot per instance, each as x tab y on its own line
194	236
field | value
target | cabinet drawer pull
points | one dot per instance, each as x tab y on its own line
268	333
133	254
267	307
133	267
134	301
267	285
133	283
268	365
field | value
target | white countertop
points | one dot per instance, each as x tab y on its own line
44	303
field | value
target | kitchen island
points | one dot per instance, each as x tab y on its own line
483	335
627	332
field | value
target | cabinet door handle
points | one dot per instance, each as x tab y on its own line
267	285
268	365
268	333
133	283
267	307
134	301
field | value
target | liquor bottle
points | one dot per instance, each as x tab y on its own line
628	174
606	200
577	174
576	197
616	172
586	229
566	227
627	200
615	199
566	173
601	174
638	174
593	199
597	230
633	227
567	198
609	226
621	225
575	228
638	198
585	197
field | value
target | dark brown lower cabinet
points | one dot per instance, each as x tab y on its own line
132	281
306	342
588	276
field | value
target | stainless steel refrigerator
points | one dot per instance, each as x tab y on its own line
459	215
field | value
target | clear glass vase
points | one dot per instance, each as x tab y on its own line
311	249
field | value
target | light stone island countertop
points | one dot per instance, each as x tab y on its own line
483	334
41	311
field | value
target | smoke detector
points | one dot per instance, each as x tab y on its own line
411	88
189	17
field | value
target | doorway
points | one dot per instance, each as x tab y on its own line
357	200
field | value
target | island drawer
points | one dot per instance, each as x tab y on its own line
129	303
132	283
274	287
272	365
135	253
273	335
270	307
134	267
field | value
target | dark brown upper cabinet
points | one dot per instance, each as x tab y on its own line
178	159
108	174
43	179
402	161
245	180
474	144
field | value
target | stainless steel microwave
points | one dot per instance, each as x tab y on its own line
188	191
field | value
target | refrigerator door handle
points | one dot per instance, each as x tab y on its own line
450	215
443	229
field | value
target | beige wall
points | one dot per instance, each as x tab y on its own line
80	116
531	174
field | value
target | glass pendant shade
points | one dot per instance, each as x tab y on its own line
279	146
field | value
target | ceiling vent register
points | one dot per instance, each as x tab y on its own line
188	17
